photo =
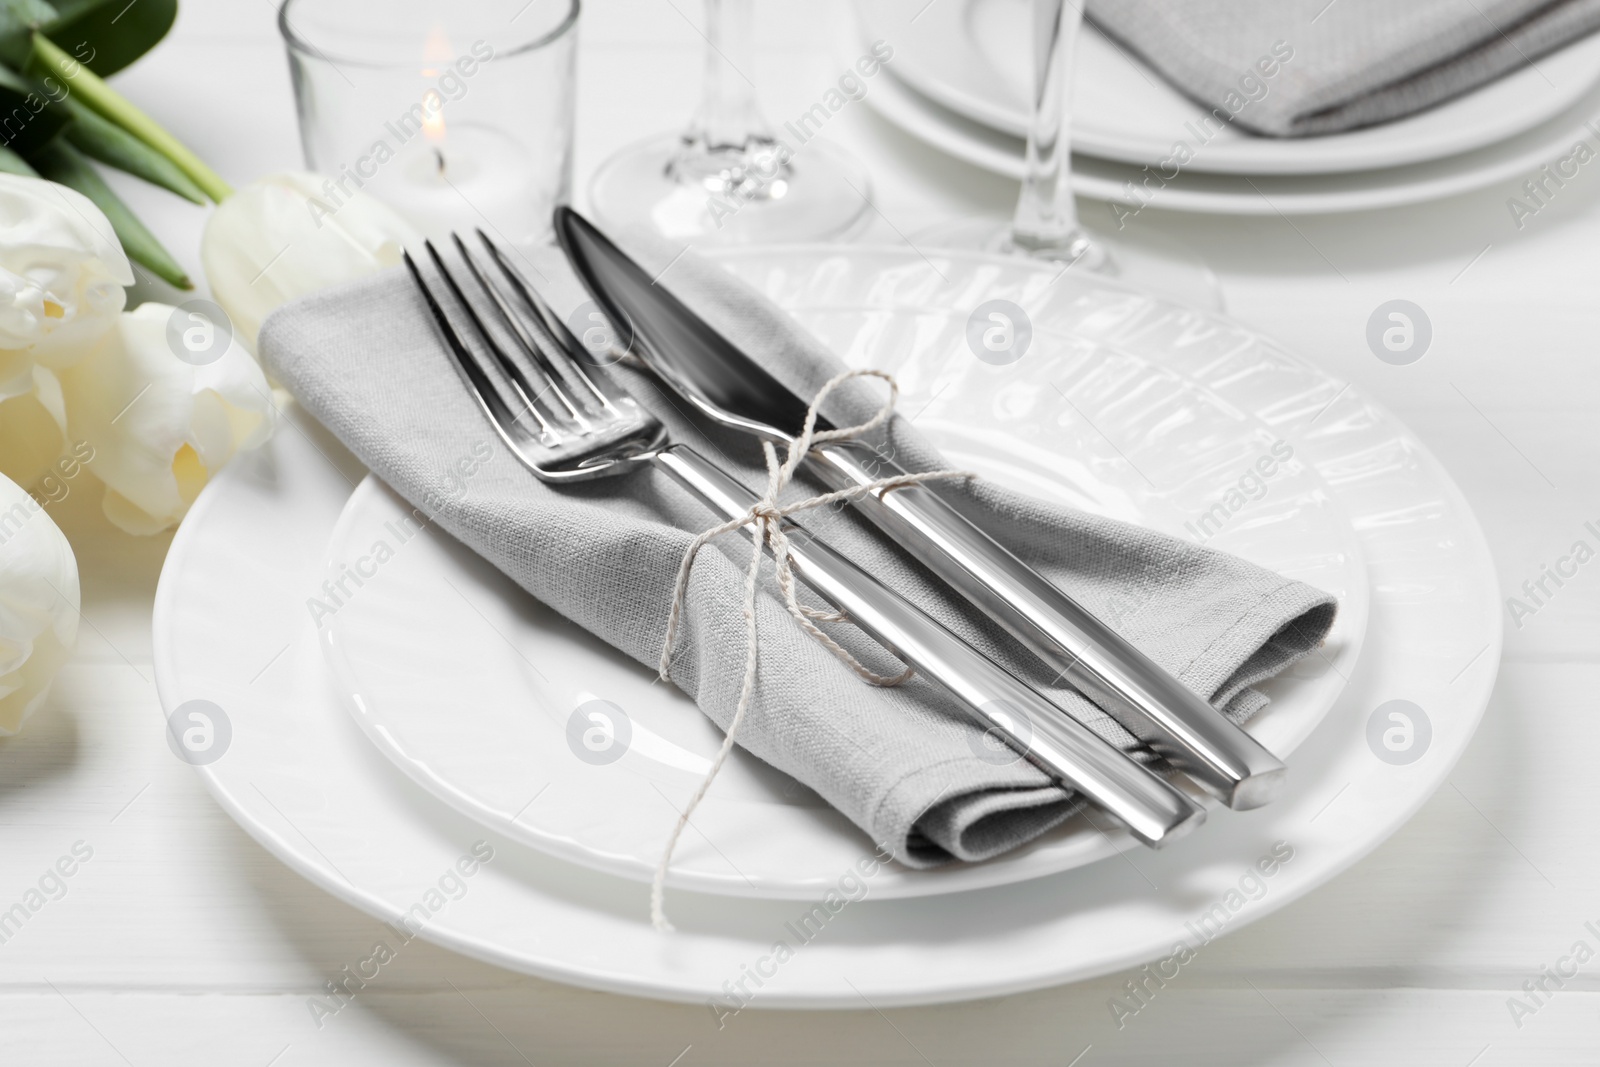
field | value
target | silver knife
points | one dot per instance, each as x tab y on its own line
728	387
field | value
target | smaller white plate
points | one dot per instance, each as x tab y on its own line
963	55
1222	194
516	717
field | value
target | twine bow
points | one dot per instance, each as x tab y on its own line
767	516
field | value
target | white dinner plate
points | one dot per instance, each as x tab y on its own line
573	748
1221	194
963	55
232	627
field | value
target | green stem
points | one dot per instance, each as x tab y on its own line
92	90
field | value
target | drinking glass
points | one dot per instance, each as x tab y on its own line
1045	224
727	178
457	115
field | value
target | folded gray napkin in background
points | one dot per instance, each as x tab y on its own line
1291	68
902	763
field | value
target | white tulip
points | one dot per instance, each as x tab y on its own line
62	270
33	420
38	604
158	425
285	235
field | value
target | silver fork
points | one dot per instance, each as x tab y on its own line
571	421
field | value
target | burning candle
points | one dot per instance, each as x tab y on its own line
464	176
459	117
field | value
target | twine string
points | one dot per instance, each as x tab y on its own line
766	515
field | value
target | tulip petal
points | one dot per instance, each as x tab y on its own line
62	271
284	236
39	602
158	425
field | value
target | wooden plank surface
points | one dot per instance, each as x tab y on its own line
182	942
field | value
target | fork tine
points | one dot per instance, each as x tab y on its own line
489	397
546	322
549	322
517	380
529	345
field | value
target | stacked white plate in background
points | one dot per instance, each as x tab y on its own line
436	721
959	76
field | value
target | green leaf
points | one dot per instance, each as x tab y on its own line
62	163
29	118
89	89
11	163
103	35
18	20
19	16
102	139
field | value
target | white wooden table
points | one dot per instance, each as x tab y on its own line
182	942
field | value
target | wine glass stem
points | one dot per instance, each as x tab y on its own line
1046	220
728	117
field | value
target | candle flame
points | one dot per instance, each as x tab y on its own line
433	124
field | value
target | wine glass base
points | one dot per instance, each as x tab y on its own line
817	193
1149	262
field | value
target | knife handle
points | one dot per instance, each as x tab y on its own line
1106	668
1062	747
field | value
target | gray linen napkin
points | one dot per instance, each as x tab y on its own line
902	763
1290	68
